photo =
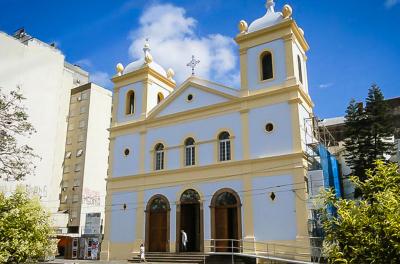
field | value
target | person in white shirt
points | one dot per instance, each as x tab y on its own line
184	240
142	258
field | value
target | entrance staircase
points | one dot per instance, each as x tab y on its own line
189	258
166	257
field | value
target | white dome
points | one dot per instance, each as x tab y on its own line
136	65
269	19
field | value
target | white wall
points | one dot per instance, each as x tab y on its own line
277	142
126	165
137	87
297	51
277	47
40	73
122	223
274	220
200	99
201	130
96	152
152	93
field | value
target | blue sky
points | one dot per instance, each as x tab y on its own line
353	43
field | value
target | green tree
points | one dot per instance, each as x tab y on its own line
16	160
25	229
365	230
367	131
380	126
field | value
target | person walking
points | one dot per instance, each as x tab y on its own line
184	240
142	258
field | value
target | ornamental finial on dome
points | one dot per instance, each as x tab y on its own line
270	6
146	49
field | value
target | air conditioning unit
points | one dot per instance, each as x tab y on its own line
79	98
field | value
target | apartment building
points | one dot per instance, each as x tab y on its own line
83	185
45	79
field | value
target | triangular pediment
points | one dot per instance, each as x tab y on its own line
194	93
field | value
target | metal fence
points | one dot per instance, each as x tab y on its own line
279	252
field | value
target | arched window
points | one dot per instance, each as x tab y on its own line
160	97
299	68
266	65
130	103
224	146
159	156
189	152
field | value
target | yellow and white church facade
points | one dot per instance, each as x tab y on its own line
217	162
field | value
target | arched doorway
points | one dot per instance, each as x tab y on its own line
157	224
190	219
226	220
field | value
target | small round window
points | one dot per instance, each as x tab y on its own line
269	127
126	152
190	97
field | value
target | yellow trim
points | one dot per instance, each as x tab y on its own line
271	33
244	117
122	80
263	97
142	158
243	73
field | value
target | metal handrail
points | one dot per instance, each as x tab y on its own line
263	250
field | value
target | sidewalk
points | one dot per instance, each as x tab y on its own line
71	261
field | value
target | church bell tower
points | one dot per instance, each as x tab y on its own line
272	52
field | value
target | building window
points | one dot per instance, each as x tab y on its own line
269	127
79	152
64	198
85	95
159	156
81	138
224	146
130	103
70	126
189	152
82	124
126	152
66	169
299	68
74	213
68	154
266	65
69	140
77	167
189	97
64	184
77	182
160	97
83	109
75	198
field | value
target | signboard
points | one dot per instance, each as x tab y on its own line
93	223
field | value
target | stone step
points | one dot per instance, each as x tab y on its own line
187	258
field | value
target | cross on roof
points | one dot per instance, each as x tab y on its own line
193	63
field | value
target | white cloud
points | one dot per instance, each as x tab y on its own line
391	3
173	41
101	78
325	85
